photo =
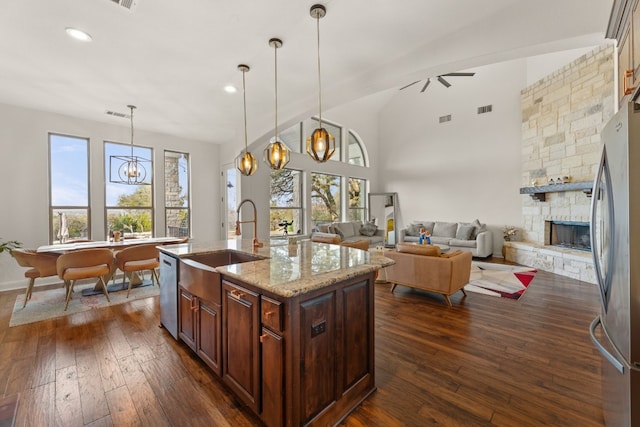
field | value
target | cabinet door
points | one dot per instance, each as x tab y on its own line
624	64
187	324
272	378
208	332
241	331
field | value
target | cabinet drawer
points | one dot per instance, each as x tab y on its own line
271	313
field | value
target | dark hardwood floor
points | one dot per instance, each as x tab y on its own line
484	361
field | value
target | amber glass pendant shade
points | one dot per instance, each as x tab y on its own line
321	145
246	163
276	154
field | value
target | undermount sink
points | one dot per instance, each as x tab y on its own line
220	258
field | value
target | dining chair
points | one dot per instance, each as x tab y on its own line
40	265
85	264
138	259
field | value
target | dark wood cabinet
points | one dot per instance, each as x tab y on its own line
307	359
186	318
241	334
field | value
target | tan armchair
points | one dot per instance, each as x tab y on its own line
138	259
42	265
424	267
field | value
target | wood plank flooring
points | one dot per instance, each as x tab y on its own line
485	361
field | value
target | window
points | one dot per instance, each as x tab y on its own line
357	199
128	208
326	193
292	137
177	194
356	153
286	212
69	188
336	131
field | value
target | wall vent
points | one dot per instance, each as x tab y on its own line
117	114
444	119
127	4
485	109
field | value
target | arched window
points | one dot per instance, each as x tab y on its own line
355	151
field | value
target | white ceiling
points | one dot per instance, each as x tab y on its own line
173	58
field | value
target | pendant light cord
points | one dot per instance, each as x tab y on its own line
275	46
131	107
244	102
319	79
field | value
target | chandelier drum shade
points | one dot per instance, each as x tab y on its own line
246	162
276	154
321	144
132	169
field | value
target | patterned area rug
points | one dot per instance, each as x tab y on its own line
499	280
49	304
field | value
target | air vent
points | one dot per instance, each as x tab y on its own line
117	114
485	109
127	4
444	119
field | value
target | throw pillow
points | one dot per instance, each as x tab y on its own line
445	229
464	232
479	228
414	229
323	228
368	229
335	230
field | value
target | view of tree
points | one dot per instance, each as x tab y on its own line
141	197
133	220
325	197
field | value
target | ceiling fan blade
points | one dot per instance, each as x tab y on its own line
443	81
410	84
425	85
460	74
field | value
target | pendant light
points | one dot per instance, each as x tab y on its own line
277	153
321	144
246	162
131	170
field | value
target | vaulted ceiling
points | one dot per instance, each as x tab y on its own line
173	58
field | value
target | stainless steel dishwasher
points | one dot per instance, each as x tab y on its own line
169	293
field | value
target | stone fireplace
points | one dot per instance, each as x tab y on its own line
562	117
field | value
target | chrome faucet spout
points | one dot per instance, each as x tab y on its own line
256	242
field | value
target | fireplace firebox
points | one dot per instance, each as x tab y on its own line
570	234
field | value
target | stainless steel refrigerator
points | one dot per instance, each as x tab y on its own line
615	242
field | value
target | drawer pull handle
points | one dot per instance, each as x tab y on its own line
627	89
237	294
194	303
268	314
167	262
263	337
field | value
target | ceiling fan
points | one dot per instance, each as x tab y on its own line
441	79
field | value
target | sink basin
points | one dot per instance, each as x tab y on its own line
219	258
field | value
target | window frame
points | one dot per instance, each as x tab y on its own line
338	198
151	185
53	207
364	192
299	208
188	197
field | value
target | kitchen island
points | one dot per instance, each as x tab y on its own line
289	329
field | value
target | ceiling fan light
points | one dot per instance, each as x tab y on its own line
276	154
321	145
246	163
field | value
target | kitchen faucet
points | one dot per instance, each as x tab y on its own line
256	243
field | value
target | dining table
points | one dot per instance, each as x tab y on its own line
114	246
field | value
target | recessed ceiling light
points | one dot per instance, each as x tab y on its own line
78	34
230	89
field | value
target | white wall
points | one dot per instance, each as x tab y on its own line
464	169
24	178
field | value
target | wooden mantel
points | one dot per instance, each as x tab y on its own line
538	192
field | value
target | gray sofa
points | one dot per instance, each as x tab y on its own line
354	230
472	237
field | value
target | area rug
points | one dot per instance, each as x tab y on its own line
500	280
49	304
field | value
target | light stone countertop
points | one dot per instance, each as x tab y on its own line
288	271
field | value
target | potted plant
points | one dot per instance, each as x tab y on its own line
9	245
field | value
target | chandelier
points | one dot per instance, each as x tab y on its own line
132	170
